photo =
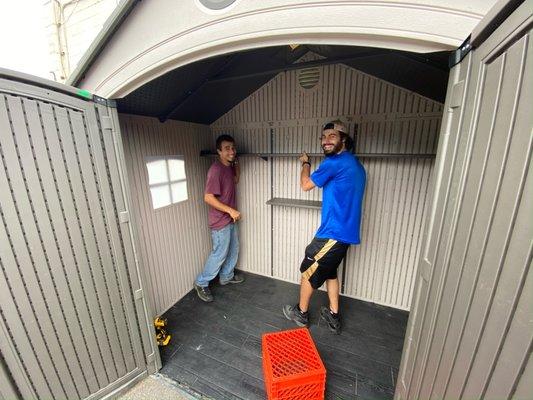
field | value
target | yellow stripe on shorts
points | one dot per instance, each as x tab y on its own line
311	270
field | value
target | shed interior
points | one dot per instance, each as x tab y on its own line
273	101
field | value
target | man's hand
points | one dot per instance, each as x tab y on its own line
304	157
305	181
212	200
234	214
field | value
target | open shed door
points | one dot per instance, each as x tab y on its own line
73	320
471	327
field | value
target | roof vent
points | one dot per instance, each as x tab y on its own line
308	77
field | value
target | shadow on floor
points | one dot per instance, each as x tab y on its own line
216	347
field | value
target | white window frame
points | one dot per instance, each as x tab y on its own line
157	182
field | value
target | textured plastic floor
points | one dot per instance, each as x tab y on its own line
216	347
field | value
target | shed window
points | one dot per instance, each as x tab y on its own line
167	180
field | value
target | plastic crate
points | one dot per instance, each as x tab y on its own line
292	366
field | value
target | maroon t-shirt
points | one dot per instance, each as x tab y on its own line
221	183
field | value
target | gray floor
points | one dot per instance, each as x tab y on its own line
216	347
156	387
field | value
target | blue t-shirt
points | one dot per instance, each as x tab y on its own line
343	178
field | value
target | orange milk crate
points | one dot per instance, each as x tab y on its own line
292	366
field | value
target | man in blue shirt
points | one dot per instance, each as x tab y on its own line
343	179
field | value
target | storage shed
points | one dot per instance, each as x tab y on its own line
96	240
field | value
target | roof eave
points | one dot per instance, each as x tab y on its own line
110	27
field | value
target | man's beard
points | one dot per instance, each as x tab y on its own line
336	148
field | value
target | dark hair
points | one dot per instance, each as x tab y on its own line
224	138
348	142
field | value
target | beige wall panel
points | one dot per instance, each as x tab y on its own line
174	240
286	118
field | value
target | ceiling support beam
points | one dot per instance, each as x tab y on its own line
302	65
183	99
217	78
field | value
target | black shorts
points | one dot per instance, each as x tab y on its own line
322	259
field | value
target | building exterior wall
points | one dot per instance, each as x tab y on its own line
282	117
71	28
174	240
182	32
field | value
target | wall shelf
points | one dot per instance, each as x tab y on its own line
283	202
266	156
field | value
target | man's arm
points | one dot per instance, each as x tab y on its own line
216	203
305	181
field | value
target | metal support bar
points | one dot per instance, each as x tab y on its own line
266	156
457	56
302	65
105	102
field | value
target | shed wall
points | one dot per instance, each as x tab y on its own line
174	240
470	334
70	318
282	117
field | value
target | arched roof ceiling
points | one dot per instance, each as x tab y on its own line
145	40
205	90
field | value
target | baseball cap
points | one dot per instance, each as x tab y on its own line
337	125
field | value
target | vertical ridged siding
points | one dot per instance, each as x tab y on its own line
390	120
472	334
67	322
174	240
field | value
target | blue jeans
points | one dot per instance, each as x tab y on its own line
223	257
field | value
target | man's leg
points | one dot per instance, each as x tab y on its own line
306	291
311	272
221	242
331	314
298	313
333	294
227	270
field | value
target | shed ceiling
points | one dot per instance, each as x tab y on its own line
203	91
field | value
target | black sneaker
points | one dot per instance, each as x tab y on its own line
204	293
237	278
294	314
333	321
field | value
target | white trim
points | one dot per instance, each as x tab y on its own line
130	60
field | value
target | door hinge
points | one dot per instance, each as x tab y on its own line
457	94
138	294
150	358
425	269
106	123
123	217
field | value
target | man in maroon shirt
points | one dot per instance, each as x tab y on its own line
219	194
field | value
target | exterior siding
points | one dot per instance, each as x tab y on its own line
72	27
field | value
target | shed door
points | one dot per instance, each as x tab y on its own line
69	325
470	331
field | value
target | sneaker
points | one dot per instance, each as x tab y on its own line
294	314
333	321
237	278
204	293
